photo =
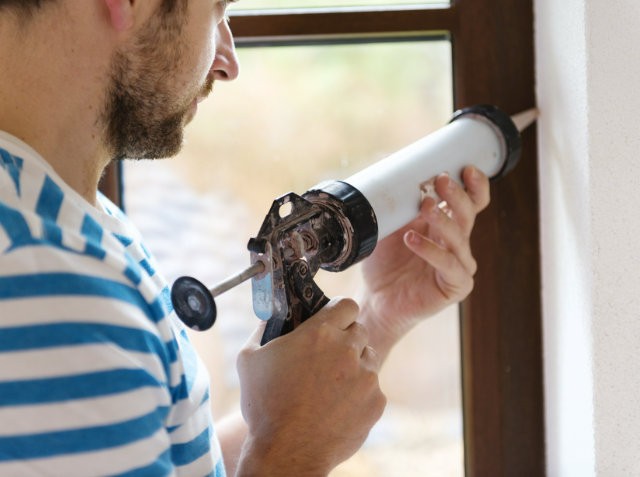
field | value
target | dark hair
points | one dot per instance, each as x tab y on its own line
25	9
23	4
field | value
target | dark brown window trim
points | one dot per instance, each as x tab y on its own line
501	320
340	22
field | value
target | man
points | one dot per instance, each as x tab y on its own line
97	375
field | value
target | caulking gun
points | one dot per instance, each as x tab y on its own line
338	223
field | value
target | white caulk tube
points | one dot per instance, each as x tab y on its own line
367	207
394	188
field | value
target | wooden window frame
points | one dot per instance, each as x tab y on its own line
501	331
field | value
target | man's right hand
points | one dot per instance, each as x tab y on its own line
310	397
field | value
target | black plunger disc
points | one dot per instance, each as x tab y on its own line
193	303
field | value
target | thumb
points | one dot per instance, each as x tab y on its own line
253	343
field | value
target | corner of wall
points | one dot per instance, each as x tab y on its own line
566	236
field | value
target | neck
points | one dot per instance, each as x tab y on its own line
50	99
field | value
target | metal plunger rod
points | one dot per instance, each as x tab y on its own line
237	279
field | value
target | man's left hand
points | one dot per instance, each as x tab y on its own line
426	266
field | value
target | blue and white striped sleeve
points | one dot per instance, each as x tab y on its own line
83	376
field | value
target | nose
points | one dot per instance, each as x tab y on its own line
225	65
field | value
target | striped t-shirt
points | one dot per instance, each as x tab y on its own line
97	375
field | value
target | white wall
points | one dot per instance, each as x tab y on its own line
588	66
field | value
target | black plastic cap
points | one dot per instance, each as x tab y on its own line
355	206
509	131
193	303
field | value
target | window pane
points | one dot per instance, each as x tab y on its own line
267	4
295	117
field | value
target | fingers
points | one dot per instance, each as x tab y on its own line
462	207
370	359
455	280
340	312
477	187
452	230
358	336
451	235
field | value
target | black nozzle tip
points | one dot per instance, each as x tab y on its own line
193	303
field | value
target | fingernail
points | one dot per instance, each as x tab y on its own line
475	175
414	238
450	184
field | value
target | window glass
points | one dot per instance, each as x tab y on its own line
299	115
268	4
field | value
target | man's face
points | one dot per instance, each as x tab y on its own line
156	81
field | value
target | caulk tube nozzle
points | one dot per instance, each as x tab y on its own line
482	136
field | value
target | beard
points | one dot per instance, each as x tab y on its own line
144	116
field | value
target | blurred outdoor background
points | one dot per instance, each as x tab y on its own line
295	117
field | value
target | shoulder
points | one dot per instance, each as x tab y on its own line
63	267
86	383
53	299
84	367
85	362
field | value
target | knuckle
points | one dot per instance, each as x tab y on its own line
451	261
353	353
243	358
372	359
361	332
244	354
368	384
372	379
348	362
381	403
348	305
436	216
468	287
378	404
462	242
321	335
473	265
467	227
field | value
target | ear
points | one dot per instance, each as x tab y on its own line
121	13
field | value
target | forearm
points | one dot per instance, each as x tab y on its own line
382	337
245	457
263	460
232	432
